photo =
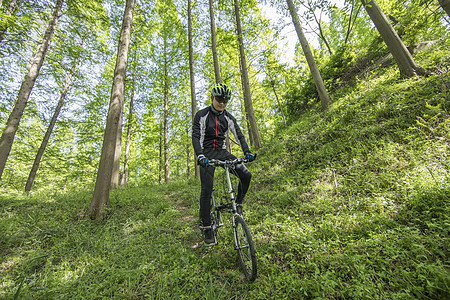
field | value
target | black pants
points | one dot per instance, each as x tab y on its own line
207	180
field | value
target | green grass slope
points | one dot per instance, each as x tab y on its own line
356	201
348	204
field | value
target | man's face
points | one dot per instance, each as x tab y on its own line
219	104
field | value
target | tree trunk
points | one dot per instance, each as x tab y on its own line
272	83
11	8
321	34
214	43
406	64
124	181
166	115
12	124
192	77
216	66
323	95
161	146
116	164
188	152
351	23
245	81
103	182
49	131
445	4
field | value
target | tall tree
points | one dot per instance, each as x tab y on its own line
214	42
192	80
166	113
126	159
49	131
351	21
12	124
103	181
406	64
323	95
254	134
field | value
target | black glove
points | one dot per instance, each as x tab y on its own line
250	156
202	160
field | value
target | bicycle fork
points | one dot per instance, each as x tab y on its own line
231	192
233	210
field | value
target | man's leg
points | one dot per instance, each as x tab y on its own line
245	177
207	181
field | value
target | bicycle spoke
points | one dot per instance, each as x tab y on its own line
245	248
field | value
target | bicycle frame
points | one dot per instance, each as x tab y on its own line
242	238
227	165
231	192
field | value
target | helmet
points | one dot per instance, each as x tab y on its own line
221	92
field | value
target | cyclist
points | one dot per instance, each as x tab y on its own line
210	127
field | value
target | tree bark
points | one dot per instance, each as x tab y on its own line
192	78
126	159
124	180
323	95
272	83
214	43
12	124
445	4
37	160
406	64
351	22
103	182
161	146
116	164
188	152
245	81
166	115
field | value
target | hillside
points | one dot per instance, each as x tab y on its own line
352	203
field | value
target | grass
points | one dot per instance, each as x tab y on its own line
348	204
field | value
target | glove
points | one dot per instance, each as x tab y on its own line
250	156
202	160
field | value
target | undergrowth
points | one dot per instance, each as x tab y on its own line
352	203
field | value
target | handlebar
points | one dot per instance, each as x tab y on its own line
221	163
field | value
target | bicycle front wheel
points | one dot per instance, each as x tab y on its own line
245	248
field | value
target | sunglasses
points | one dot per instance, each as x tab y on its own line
221	99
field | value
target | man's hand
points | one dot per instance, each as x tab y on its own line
202	160
250	156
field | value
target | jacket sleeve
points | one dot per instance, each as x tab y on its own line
196	134
236	130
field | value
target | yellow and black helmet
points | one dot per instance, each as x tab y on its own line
221	92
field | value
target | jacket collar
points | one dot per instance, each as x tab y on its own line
215	111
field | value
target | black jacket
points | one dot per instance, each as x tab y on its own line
210	129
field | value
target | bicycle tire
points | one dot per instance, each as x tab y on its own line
244	245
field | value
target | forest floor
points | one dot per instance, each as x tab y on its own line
352	203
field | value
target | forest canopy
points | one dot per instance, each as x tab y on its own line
78	71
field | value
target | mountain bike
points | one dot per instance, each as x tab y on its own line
243	241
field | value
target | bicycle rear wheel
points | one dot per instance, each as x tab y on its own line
245	248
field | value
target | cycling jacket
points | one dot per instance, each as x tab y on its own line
210	129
